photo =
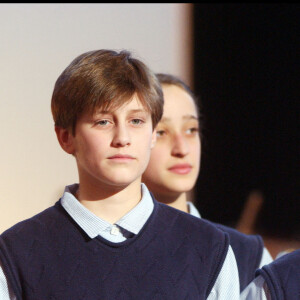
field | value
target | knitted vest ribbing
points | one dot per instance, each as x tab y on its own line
175	256
283	277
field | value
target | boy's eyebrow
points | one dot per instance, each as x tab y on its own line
130	111
138	110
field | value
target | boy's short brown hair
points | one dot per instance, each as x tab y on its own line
104	79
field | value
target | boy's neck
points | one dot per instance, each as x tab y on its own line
110	203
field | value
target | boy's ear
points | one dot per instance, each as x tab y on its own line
153	139
65	139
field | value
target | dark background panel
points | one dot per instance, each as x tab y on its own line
246	72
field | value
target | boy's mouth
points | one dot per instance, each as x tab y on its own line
121	158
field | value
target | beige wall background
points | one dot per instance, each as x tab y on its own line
37	41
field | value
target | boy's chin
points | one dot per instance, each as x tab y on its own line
123	182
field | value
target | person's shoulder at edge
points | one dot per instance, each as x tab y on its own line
278	280
37	221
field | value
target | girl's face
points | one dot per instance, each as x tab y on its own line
175	160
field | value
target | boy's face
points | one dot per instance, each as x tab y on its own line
175	159
112	148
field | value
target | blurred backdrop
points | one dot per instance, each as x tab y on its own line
246	70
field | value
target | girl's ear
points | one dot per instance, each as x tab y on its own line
65	139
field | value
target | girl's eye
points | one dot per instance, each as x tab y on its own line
160	133
192	130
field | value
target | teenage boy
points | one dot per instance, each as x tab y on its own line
107	238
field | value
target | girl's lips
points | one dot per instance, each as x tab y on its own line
181	169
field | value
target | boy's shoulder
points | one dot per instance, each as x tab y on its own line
40	222
199	239
45	232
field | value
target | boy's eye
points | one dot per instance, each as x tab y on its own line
136	121
102	122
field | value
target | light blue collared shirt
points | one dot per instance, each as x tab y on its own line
256	290
193	210
127	226
226	285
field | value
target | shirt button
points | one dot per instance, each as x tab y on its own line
115	230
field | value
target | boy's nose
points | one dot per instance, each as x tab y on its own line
121	137
180	147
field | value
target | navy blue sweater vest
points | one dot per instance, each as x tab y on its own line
248	251
175	256
283	277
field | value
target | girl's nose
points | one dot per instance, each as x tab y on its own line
180	146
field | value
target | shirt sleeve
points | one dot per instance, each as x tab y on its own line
227	285
5	292
256	290
266	258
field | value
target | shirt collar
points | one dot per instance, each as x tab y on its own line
133	221
193	210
